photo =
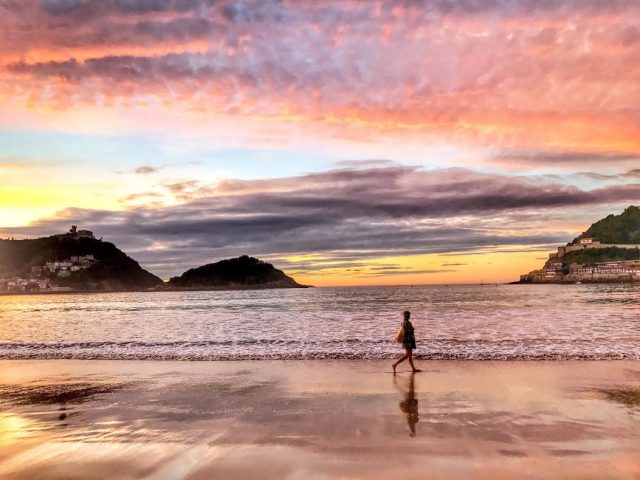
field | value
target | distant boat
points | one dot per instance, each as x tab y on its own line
578	282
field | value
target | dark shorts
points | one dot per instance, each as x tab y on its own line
409	345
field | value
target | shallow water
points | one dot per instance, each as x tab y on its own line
452	322
332	419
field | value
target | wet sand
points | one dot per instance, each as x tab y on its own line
318	419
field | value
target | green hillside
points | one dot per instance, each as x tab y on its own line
623	228
599	255
113	269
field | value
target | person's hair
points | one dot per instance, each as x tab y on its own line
407	313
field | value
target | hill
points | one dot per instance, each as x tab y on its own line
83	263
240	272
600	255
616	229
608	251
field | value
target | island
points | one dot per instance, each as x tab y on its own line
609	251
236	273
76	261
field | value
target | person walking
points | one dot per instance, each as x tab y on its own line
408	340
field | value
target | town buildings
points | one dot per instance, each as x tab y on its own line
558	272
51	276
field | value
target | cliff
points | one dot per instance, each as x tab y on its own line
241	272
74	262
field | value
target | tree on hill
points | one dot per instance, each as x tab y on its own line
620	229
599	255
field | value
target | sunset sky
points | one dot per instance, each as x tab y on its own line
347	142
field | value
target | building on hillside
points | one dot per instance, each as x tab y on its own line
75	233
587	241
553	271
75	263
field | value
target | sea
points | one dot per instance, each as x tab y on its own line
466	322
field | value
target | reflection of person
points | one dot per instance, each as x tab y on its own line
409	343
409	406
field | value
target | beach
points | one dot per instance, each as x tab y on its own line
319	419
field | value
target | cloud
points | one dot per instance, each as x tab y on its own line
347	215
62	7
142	6
410	272
372	163
142	197
59	7
146	170
248	11
564	158
507	73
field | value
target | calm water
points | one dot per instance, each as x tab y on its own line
454	322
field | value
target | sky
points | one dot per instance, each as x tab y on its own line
347	142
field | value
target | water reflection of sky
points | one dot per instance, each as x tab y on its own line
328	418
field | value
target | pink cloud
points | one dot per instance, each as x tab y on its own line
519	74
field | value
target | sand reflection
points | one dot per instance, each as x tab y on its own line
409	405
279	420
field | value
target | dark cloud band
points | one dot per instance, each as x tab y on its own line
343	214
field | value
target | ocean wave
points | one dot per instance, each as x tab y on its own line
452	323
352	349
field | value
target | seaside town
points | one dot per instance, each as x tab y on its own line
558	270
48	277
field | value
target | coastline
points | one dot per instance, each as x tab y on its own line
232	289
630	281
154	290
329	419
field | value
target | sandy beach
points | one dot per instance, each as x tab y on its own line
318	419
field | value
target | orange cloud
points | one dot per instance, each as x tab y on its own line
475	73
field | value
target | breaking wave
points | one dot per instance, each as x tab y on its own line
349	349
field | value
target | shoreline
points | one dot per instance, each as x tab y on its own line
418	358
234	289
582	282
90	292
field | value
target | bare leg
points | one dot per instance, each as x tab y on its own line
402	359
410	356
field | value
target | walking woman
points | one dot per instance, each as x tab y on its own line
408	342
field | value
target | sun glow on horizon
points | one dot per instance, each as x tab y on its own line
430	269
